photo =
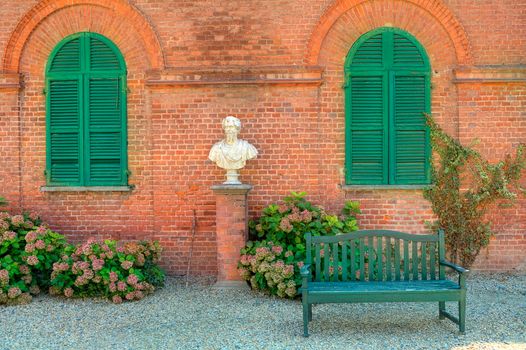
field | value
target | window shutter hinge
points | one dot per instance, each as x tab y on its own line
44	91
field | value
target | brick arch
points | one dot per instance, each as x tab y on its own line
120	8
435	8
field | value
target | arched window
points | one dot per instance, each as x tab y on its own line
387	90
86	113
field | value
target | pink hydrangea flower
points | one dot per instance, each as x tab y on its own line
9	235
283	208
116	299
132	279
32	260
113	276
31	236
97	264
285	225
127	265
130	296
88	274
140	259
121	286
3	225
41	229
40	244
17	220
13	292
68	292
277	249
4	276
113	287
24	269
30	248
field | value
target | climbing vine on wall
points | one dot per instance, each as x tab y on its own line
465	187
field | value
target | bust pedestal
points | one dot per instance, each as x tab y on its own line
231	232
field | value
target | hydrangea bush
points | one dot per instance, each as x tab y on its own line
34	258
28	250
107	270
272	258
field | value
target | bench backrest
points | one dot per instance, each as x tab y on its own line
376	255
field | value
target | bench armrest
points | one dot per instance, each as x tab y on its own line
305	271
462	272
457	268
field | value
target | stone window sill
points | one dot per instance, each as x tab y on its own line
86	188
383	187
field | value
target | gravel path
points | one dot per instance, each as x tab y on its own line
199	317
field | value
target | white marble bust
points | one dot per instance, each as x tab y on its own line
232	153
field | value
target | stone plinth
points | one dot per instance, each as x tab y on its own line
231	229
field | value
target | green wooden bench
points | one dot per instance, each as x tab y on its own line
380	266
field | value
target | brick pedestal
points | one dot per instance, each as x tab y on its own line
231	230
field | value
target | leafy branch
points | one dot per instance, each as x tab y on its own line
465	187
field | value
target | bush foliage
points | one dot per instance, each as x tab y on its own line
34	258
465	187
276	251
105	269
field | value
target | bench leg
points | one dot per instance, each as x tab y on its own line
305	318
462	315
310	312
441	308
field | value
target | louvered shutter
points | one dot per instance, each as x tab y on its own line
64	132
105	134
105	122
409	83
367	153
409	133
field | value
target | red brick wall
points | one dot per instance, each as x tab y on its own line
296	123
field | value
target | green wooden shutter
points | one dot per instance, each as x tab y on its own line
409	99
64	134
367	153
105	151
68	58
102	57
409	134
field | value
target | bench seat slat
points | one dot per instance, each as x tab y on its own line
374	286
346	296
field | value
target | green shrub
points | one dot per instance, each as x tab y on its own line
104	269
34	258
272	258
465	188
28	250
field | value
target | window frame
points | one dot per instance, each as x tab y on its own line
83	76
388	72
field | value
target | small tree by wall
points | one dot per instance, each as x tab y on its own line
465	186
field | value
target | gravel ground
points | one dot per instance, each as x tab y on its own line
199	317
